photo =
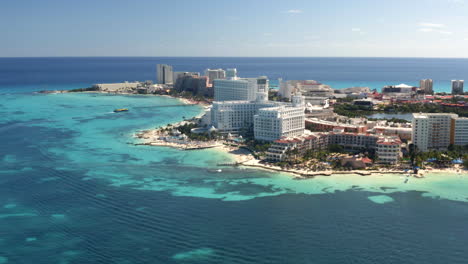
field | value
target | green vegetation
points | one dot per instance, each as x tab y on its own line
188	95
186	130
335	148
345	100
426	108
349	110
321	155
258	148
274	96
90	89
440	158
394	120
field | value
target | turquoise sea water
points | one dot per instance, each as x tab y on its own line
76	190
73	190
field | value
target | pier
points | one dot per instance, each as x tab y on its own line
232	164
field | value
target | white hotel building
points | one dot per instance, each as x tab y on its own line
242	89
233	110
439	130
281	121
459	135
234	116
215	74
432	131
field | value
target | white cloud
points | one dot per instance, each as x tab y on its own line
445	32
294	11
431	25
426	29
311	37
358	31
456	1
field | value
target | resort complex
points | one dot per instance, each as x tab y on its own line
307	122
387	148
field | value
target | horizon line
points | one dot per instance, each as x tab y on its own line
342	57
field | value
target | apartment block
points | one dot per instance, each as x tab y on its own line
242	89
459	131
165	74
432	130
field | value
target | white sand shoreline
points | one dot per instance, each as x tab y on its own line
243	157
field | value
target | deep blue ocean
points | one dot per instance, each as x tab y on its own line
53	73
74	188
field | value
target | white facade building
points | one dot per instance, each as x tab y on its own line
306	87
286	120
457	86
286	89
426	85
388	150
432	130
269	120
459	135
399	91
164	74
243	89
234	116
215	74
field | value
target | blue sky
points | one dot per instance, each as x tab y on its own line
371	28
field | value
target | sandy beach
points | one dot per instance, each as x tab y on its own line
243	157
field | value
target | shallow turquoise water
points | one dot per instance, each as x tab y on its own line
75	189
95	135
99	141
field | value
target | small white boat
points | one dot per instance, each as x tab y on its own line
215	170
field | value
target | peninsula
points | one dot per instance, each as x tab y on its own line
308	128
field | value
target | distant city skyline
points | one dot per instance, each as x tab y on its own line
255	28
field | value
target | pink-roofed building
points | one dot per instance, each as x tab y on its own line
387	148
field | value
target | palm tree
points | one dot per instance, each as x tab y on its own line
413	152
